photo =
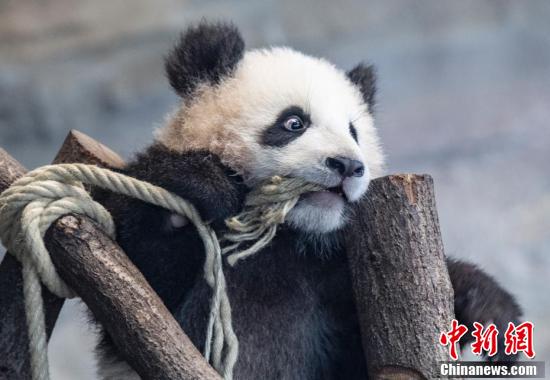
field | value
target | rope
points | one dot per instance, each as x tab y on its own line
265	208
39	198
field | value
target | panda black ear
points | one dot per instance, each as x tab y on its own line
364	77
204	53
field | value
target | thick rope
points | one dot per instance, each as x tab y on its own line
266	207
39	198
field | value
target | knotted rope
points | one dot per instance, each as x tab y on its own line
39	198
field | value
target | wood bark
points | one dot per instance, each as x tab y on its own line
402	289
10	170
14	356
92	264
401	284
81	148
13	331
145	332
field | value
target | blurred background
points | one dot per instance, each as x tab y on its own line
464	95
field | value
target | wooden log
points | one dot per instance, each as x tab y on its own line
14	357
10	170
93	265
401	284
145	332
81	148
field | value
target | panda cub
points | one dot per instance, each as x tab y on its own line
244	117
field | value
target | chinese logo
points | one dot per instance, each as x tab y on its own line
517	338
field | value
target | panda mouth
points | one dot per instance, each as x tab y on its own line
336	190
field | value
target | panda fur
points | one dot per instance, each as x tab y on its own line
292	305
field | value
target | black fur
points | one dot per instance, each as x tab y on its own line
479	298
353	132
277	135
204	53
292	310
364	77
171	258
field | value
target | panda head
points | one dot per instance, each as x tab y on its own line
276	112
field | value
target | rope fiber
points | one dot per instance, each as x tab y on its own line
38	199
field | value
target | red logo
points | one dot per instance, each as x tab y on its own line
484	341
519	339
451	338
516	339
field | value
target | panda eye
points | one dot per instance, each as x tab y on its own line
294	124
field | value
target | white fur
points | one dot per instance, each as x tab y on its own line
229	120
178	221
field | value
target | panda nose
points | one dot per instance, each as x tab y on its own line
346	167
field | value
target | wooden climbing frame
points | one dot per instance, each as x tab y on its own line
402	289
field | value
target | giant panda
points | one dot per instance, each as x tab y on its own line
244	117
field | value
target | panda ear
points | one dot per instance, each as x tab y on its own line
206	52
364	77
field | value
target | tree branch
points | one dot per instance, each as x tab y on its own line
144	331
14	352
14	349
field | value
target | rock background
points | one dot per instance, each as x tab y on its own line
464	96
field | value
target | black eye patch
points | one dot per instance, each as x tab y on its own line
353	132
277	135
